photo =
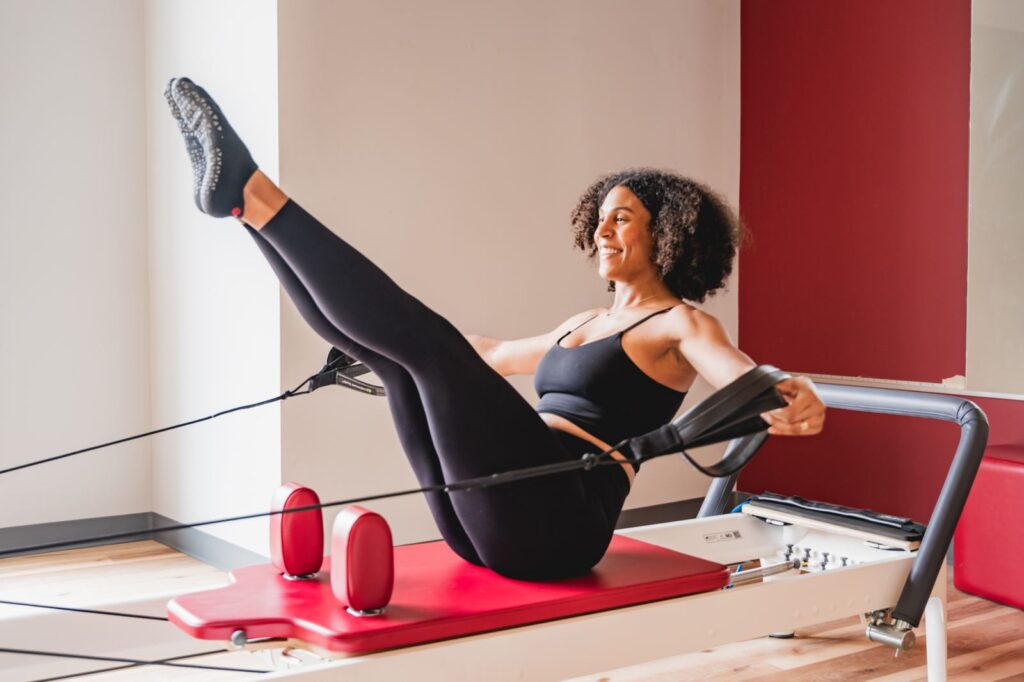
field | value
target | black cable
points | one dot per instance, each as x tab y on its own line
587	462
133	661
124	667
287	394
718	417
667	439
78	610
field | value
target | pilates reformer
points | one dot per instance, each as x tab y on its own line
814	564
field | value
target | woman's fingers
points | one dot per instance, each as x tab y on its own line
803	416
805	427
796	412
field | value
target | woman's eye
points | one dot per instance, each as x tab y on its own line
621	218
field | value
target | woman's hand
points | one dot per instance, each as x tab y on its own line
803	416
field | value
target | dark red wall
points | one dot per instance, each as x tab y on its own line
853	182
892	464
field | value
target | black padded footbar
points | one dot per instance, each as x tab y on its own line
912	532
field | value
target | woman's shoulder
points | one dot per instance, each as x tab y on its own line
685	320
583	316
576	320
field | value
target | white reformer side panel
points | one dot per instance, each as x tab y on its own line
612	639
569	647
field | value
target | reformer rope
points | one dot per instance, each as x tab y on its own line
81	610
727	414
704	424
311	383
86	673
587	462
133	661
339	369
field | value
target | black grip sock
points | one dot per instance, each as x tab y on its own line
221	164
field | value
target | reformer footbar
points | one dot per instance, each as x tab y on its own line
902	532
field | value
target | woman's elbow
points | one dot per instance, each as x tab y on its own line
484	346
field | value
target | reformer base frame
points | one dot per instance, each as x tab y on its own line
877	580
581	645
589	644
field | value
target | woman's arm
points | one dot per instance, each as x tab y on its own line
707	347
521	356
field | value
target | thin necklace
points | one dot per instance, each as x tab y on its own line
635	305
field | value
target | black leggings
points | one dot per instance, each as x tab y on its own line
456	417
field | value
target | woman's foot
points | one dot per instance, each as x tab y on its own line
221	165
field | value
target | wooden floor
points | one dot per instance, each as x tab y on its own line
986	640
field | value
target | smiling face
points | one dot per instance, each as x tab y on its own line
623	237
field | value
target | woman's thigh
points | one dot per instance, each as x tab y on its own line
545	527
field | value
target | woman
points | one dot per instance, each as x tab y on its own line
659	238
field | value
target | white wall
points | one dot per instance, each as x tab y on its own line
214	304
449	141
74	344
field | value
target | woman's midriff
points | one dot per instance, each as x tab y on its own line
555	421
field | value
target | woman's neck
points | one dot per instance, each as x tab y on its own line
635	296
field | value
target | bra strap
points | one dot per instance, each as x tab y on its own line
575	328
642	320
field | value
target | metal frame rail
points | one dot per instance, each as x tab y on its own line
950	504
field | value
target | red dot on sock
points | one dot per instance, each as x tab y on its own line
236	211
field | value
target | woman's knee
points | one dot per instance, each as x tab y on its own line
445	353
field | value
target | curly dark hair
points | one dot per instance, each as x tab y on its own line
695	233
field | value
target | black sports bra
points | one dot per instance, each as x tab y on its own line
600	389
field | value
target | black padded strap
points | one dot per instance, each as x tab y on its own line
342	370
731	412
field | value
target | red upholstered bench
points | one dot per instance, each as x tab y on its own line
436	595
988	548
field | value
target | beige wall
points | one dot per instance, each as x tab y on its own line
214	303
995	282
449	141
74	344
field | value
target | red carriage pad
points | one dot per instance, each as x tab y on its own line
437	595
